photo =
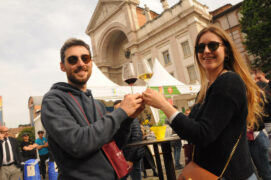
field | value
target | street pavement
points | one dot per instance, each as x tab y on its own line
151	177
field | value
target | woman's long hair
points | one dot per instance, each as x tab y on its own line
233	61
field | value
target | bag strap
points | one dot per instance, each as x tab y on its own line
81	109
232	152
230	156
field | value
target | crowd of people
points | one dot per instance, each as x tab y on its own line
13	154
232	101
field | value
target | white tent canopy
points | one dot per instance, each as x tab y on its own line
162	78
98	79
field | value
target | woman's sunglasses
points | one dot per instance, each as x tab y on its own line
72	60
212	46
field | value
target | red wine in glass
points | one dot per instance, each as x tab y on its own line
128	74
130	81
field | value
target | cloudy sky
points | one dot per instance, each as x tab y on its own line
31	34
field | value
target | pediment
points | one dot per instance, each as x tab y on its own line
103	10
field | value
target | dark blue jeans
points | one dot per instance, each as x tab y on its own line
259	153
252	177
177	145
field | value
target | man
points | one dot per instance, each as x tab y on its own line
28	148
177	146
77	124
265	85
133	155
10	157
43	152
260	143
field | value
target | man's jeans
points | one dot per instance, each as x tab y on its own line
252	177
177	145
136	172
268	130
259	153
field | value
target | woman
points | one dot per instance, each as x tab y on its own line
228	101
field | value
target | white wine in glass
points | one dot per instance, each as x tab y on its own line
144	71
129	75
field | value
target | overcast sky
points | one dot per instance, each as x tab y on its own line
31	34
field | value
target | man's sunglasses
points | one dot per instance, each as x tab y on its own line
72	60
212	46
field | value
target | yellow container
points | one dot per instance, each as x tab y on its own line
159	131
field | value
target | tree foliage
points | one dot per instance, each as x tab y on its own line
256	24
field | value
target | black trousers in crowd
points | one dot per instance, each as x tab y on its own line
42	164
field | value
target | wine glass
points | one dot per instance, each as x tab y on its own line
129	75
144	71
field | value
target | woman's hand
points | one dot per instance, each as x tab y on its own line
157	100
154	98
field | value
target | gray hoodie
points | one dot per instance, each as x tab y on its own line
75	144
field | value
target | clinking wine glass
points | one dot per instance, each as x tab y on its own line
144	71
129	74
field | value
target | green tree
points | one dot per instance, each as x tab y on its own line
30	131
256	24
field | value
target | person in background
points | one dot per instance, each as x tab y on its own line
187	112
10	156
258	138
177	146
78	125
28	148
265	85
134	154
42	146
147	161
228	101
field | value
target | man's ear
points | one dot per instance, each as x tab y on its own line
62	66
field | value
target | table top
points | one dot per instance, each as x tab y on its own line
155	141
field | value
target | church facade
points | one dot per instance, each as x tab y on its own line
122	32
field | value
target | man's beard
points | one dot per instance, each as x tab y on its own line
71	77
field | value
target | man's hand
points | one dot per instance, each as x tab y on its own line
32	146
131	103
260	76
41	146
138	111
130	164
29	147
2	136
